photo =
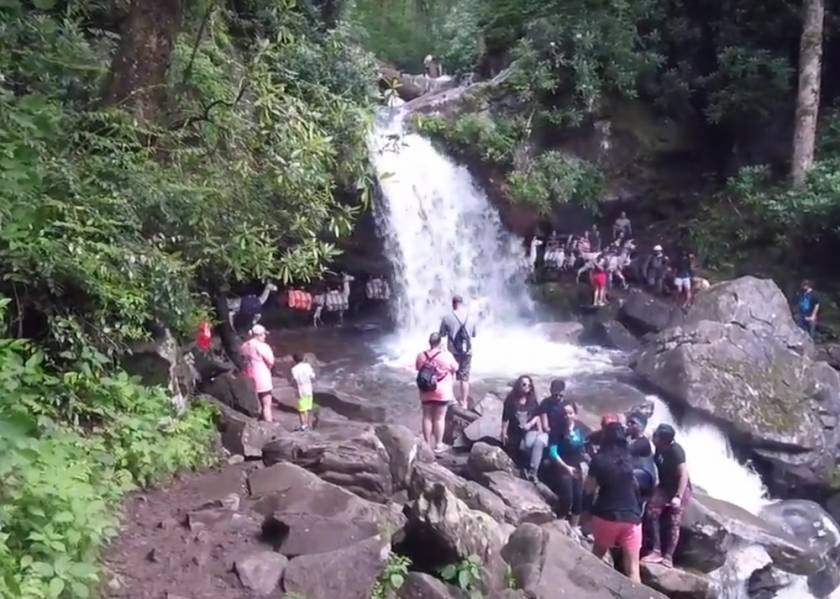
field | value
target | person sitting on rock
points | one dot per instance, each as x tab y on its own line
436	368
654	270
259	360
809	308
522	426
567	452
622	227
670	498
303	375
617	509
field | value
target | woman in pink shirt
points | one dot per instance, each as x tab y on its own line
436	401
259	359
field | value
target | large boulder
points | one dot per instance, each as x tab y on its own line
426	476
422	586
560	332
261	571
547	564
404	450
643	313
522	497
234	391
677	583
488	458
754	304
488	426
349	573
613	335
350	406
765	395
243	435
349	457
159	361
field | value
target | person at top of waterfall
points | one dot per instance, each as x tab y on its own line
567	453
303	375
599	282
808	308
259	360
654	269
670	498
435	370
683	276
622	226
459	329
617	508
522	426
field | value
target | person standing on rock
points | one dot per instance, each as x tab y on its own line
617	509
809	308
622	227
522	426
259	360
303	375
567	451
459	330
670	498
654	270
683	276
435	370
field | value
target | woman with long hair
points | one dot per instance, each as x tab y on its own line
567	451
617	509
521	426
258	362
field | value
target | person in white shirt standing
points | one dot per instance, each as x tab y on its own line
303	376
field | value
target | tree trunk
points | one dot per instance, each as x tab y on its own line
138	72
808	100
230	340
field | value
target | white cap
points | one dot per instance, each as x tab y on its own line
258	329
657	248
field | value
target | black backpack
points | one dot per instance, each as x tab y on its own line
427	375
461	343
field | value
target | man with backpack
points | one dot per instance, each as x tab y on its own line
435	368
459	329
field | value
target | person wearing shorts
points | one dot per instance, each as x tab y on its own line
258	361
434	403
303	375
683	274
617	510
449	327
599	283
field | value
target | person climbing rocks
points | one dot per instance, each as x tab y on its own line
246	311
303	375
683	276
808	308
258	362
436	367
622	227
459	330
670	498
654	270
617	508
567	452
522	426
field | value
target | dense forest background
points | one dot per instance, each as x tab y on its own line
155	152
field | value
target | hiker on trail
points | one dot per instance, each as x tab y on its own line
617	508
567	452
683	276
654	269
259	360
622	226
459	329
303	375
522	426
809	308
435	370
246	311
670	498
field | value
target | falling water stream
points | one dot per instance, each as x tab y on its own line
443	237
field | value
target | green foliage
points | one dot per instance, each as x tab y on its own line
60	487
465	574
556	178
492	139
392	577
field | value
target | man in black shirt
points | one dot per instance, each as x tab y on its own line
670	498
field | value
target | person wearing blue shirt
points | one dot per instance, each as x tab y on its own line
809	307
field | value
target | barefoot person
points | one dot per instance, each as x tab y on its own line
303	376
259	360
435	370
459	329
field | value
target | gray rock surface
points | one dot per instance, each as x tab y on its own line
261	571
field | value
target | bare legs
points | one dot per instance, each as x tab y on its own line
265	404
465	395
434	423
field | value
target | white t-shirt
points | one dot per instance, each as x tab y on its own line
303	375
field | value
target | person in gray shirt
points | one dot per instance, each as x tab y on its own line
459	329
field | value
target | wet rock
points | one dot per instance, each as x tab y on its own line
294	533
289	489
613	335
521	496
160	362
348	457
350	406
561	332
644	313
677	583
457	419
349	573
242	434
766	582
768	396
546	564
476	497
756	305
489	458
404	449
830	353
234	391
422	586
489	424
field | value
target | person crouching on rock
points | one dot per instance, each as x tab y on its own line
522	426
670	498
567	452
436	368
259	360
617	510
303	375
